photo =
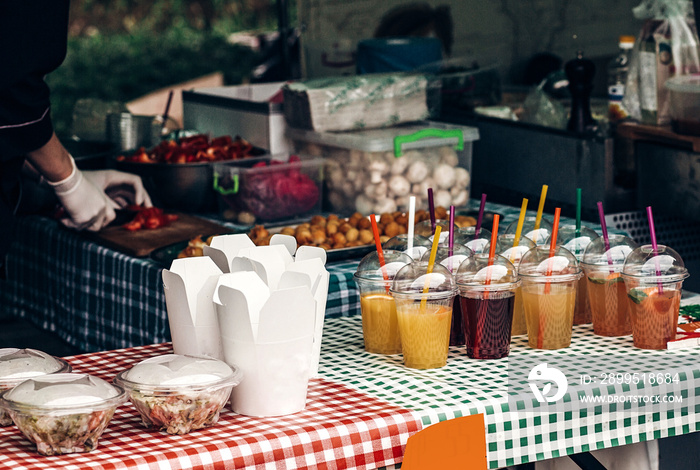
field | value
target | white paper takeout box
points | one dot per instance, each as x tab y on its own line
189	290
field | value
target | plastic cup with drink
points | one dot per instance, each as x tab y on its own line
576	240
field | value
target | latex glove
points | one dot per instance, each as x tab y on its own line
123	188
88	206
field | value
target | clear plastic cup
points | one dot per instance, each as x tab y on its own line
424	310
487	298
513	254
399	242
654	283
465	236
539	236
549	296
425	229
452	259
577	243
607	294
380	327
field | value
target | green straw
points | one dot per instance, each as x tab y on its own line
578	212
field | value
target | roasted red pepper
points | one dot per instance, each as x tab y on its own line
195	149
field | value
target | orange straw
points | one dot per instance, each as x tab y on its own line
380	252
431	264
547	286
492	251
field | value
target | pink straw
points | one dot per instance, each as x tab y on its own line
604	228
477	230
451	238
654	246
431	207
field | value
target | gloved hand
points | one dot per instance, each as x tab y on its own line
84	196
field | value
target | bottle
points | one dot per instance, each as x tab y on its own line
617	77
580	72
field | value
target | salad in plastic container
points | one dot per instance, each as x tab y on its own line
179	393
63	413
18	365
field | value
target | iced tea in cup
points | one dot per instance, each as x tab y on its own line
549	296
539	236
607	295
487	298
452	259
467	236
513	254
424	310
576	242
654	282
399	242
380	327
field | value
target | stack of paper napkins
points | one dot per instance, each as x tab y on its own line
258	308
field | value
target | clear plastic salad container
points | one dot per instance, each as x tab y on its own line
18	365
63	413
179	393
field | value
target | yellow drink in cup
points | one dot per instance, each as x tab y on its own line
549	316
513	254
427	334
379	324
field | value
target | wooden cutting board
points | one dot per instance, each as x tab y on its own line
142	242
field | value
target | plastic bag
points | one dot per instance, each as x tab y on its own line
541	109
667	45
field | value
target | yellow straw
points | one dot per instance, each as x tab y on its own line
540	209
431	263
521	221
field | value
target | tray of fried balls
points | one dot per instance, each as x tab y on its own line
349	237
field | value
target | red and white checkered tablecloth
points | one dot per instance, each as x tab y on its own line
340	428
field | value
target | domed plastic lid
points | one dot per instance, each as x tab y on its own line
538	266
466	236
413	279
614	256
505	248
664	266
425	229
370	268
400	243
172	370
539	235
450	258
476	272
573	241
17	365
64	391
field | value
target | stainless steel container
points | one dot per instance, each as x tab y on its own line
130	131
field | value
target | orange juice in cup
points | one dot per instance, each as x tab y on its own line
654	280
424	299
576	241
514	254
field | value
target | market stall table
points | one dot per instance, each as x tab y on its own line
99	299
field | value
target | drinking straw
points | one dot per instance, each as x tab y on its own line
604	229
654	247
480	217
521	221
411	223
540	208
494	240
431	209
451	237
431	264
167	109
380	252
547	286
578	212
481	316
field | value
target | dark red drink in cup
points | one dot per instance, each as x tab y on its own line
487	297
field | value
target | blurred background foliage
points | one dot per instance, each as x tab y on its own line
119	50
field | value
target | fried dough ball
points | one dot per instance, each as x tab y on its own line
345	227
352	235
392	229
318	236
318	220
339	239
364	223
288	231
332	227
386	219
365	237
304	237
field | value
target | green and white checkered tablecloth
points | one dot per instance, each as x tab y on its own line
468	386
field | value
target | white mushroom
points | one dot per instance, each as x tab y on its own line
359	183
363	204
336	177
348	189
376	191
455	190
402	203
314	150
337	200
421	189
355	157
461	198
449	156
399	186
417	172
377	169
444	176
443	198
399	165
462	177
384	205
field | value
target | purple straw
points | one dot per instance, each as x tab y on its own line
654	246
604	228
431	207
451	239
477	230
